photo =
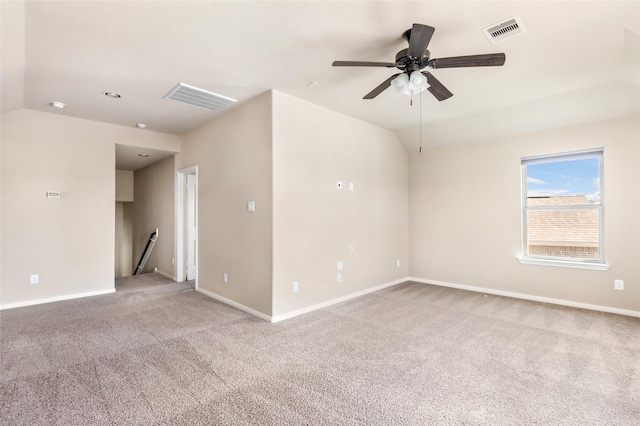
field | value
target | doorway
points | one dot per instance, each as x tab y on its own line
187	225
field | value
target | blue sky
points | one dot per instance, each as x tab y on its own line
577	177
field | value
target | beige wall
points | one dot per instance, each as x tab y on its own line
154	207
124	185
69	242
124	223
233	154
124	239
12	46
465	215
315	224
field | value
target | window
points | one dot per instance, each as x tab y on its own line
563	208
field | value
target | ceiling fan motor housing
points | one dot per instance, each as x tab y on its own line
405	63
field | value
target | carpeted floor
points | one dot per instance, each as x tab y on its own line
156	352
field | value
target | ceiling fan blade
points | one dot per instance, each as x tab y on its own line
363	64
436	88
381	88
488	60
419	40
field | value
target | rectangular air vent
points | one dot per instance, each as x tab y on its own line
503	30
199	98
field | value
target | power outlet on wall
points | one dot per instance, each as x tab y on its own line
225	278
34	279
296	286
618	284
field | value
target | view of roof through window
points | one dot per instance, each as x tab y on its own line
563	200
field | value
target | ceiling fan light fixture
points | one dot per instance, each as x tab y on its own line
405	84
417	82
401	84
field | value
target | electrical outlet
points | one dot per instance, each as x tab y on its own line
296	286
350	186
225	278
34	279
340	265
398	263
339	277
618	284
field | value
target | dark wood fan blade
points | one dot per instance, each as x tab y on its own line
362	64
381	88
488	60
436	88
419	40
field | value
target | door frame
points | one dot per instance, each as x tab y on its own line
181	191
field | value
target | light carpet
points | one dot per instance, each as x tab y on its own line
158	353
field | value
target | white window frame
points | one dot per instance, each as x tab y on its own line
597	264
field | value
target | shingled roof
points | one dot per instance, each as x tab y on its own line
574	228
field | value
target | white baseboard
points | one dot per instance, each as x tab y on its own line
164	274
562	302
55	299
236	305
299	311
334	301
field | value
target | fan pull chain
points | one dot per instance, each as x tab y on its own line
420	150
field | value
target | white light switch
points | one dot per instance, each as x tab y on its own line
339	277
251	206
296	286
350	186
340	265
34	279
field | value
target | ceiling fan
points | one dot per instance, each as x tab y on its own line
410	61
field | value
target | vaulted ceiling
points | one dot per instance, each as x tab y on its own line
576	61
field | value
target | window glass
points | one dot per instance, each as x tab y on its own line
564	182
562	207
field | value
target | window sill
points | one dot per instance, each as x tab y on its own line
564	264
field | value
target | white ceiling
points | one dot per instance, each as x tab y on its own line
134	158
584	56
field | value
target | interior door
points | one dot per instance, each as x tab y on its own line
190	216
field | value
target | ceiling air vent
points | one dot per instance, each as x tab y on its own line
197	97
503	30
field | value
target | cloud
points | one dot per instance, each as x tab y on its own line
593	197
535	181
546	192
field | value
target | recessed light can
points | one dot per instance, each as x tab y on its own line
110	94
